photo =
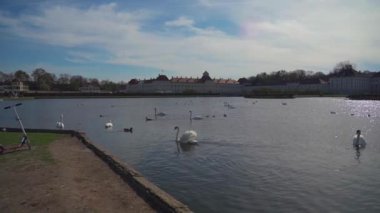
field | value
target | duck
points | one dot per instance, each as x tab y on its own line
128	129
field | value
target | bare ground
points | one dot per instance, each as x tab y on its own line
78	181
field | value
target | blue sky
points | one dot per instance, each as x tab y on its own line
120	40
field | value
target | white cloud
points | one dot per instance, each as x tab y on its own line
180	22
307	34
318	33
188	24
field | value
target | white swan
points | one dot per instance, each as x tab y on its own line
161	114
109	124
60	124
197	117
358	141
230	107
189	136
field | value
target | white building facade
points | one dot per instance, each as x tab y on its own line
350	85
375	86
181	85
318	87
15	88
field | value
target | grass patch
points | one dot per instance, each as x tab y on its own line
40	148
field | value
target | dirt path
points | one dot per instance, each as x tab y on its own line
78	181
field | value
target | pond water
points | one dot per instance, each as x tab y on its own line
273	155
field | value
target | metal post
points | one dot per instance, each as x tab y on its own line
18	118
25	138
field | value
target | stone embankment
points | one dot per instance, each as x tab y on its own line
154	196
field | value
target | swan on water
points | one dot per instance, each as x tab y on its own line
60	124
228	105
109	124
231	107
358	141
197	117
158	113
189	136
161	114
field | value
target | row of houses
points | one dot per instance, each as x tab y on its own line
206	85
14	88
182	85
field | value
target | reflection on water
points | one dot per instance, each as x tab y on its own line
262	157
358	143
357	149
186	147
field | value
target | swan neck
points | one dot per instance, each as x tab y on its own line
176	137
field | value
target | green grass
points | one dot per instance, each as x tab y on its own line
39	152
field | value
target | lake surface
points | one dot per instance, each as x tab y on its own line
264	156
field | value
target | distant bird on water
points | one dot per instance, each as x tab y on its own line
197	117
108	125
128	129
156	113
60	124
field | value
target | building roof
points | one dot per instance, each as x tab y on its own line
162	78
191	80
313	81
133	81
225	81
184	80
205	77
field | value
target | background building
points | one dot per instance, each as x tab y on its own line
350	85
183	85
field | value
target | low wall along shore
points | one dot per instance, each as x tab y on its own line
156	197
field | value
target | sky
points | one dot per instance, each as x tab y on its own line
121	40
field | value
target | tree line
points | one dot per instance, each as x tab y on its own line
342	69
42	80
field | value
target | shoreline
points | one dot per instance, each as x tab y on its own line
158	199
100	96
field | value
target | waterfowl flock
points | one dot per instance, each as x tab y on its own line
189	136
